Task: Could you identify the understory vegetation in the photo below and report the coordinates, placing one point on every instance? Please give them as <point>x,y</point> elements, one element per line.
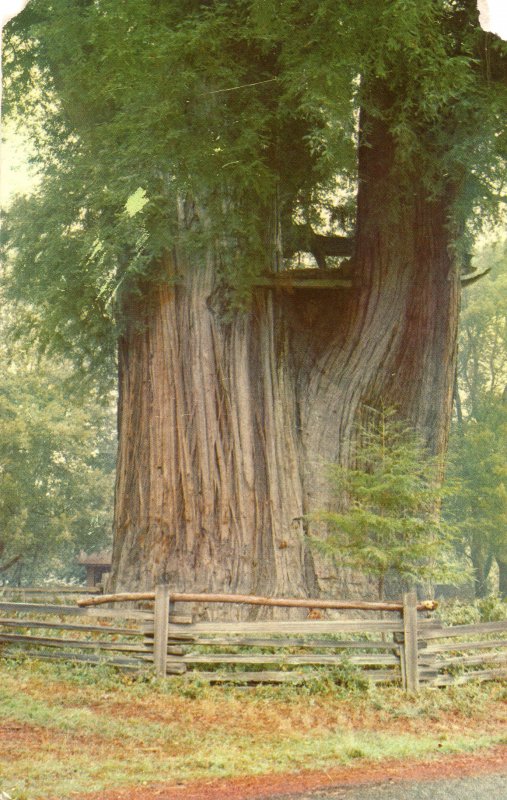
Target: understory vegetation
<point>70,729</point>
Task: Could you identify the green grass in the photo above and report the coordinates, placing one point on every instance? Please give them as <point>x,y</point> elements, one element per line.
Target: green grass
<point>78,729</point>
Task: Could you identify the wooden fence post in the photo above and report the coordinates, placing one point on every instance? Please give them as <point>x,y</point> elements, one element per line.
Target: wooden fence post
<point>161,628</point>
<point>409,661</point>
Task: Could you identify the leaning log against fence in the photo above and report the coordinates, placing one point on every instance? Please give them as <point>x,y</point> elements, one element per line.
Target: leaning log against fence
<point>254,600</point>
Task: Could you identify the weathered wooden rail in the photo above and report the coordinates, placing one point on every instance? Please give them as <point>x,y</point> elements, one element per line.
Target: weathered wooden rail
<point>383,660</point>
<point>52,632</point>
<point>462,653</point>
<point>37,591</point>
<point>406,648</point>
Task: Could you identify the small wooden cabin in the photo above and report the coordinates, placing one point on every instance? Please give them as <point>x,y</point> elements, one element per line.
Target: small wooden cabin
<point>97,566</point>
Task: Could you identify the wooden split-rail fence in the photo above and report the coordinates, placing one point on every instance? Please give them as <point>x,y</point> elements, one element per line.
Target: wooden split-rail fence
<point>402,644</point>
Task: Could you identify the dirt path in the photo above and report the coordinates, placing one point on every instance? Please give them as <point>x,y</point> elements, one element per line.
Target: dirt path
<point>482,787</point>
<point>343,782</point>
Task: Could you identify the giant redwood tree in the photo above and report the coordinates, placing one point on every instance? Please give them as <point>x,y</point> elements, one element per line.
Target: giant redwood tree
<point>190,153</point>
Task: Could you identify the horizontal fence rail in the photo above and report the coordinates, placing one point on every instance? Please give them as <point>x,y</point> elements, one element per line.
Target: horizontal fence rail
<point>48,632</point>
<point>407,647</point>
<point>7,591</point>
<point>247,651</point>
<point>462,653</point>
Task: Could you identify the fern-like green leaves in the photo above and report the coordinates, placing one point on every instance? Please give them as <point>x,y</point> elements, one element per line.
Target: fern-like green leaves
<point>385,521</point>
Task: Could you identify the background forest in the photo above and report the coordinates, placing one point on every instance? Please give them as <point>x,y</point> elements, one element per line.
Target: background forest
<point>57,454</point>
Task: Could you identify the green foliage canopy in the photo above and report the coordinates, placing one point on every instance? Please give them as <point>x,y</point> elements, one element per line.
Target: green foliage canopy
<point>56,469</point>
<point>235,105</point>
<point>482,350</point>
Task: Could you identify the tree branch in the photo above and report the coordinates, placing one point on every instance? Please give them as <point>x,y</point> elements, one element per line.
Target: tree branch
<point>467,280</point>
<point>303,238</point>
<point>8,564</point>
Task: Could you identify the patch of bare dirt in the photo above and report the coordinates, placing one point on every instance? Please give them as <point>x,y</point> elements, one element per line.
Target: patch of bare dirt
<point>16,736</point>
<point>19,740</point>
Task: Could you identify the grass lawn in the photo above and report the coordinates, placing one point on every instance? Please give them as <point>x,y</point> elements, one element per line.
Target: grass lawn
<point>66,730</point>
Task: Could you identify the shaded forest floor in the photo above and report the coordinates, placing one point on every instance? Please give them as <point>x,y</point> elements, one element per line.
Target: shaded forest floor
<point>75,732</point>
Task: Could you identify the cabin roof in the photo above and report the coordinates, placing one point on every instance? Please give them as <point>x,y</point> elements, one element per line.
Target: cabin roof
<point>101,558</point>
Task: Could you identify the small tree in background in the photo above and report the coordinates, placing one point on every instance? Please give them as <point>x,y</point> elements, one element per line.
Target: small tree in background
<point>478,449</point>
<point>390,523</point>
<point>479,434</point>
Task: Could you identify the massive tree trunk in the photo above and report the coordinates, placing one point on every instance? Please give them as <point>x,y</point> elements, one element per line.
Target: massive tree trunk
<point>392,340</point>
<point>209,492</point>
<point>225,426</point>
